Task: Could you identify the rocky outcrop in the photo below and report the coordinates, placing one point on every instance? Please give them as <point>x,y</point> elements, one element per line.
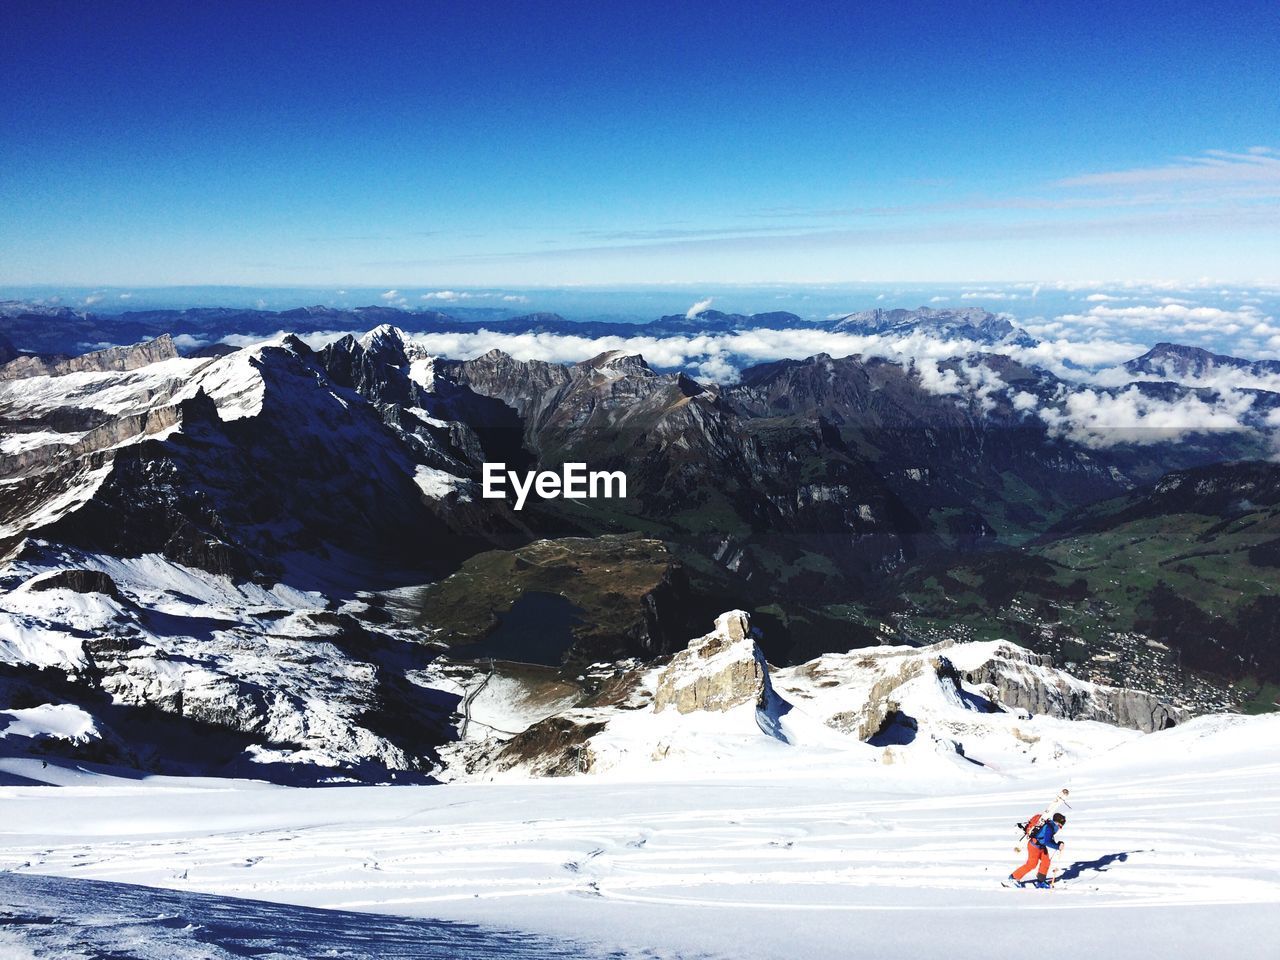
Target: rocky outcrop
<point>1022,680</point>
<point>106,436</point>
<point>558,746</point>
<point>864,692</point>
<point>80,581</point>
<point>271,461</point>
<point>719,671</point>
<point>525,386</point>
<point>116,359</point>
<point>879,704</point>
<point>715,673</point>
<point>450,427</point>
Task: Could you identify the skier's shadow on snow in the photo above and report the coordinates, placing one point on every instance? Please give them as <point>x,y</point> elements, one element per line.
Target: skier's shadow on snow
<point>1101,865</point>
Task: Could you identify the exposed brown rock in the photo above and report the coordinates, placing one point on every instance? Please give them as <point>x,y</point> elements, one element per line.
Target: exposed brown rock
<point>716,672</point>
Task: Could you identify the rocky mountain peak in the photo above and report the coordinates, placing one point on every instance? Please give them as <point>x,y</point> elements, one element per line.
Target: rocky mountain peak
<point>295,345</point>
<point>384,337</point>
<point>1177,360</point>
<point>616,363</point>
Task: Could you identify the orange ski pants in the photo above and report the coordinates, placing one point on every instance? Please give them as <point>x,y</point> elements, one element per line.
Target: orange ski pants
<point>1037,857</point>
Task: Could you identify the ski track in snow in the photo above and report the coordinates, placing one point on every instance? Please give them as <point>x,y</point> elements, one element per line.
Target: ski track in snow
<point>1170,850</point>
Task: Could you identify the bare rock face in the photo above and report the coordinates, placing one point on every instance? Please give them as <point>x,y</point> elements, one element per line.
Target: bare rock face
<point>879,703</point>
<point>558,746</point>
<point>869,692</point>
<point>81,581</point>
<point>112,359</point>
<point>1026,681</point>
<point>717,672</point>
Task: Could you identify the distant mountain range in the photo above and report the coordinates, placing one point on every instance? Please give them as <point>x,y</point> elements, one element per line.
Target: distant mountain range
<point>61,331</point>
<point>283,550</point>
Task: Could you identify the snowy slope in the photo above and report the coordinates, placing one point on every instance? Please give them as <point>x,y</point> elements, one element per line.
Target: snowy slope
<point>1169,852</point>
<point>291,674</point>
<point>717,707</point>
<point>212,500</point>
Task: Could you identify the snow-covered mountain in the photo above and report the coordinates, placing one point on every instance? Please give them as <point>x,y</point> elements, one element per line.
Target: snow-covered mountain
<point>965,323</point>
<point>185,540</point>
<point>256,464</point>
<point>718,705</point>
<point>272,564</point>
<point>148,663</point>
<point>223,547</point>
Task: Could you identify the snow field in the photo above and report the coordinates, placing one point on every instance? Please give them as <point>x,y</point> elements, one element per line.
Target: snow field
<point>1170,847</point>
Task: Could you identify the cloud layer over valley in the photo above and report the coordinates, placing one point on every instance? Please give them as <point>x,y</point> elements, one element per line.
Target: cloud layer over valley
<point>1087,394</point>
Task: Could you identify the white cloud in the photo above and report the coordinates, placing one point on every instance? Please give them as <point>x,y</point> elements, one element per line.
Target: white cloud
<point>389,295</point>
<point>315,341</point>
<point>717,369</point>
<point>93,298</point>
<point>1102,419</point>
<point>1259,165</point>
<point>936,380</point>
<point>698,307</point>
<point>723,351</point>
<point>126,296</point>
<point>452,296</point>
<point>1170,318</point>
<point>1096,405</point>
<point>1074,359</point>
<point>1024,401</point>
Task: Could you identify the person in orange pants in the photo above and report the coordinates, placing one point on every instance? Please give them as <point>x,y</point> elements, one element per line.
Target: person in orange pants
<point>1042,841</point>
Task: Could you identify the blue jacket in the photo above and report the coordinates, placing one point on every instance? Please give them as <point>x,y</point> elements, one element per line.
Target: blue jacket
<point>1046,836</point>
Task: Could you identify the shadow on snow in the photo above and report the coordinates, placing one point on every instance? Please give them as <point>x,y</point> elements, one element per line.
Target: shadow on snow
<point>1101,865</point>
<point>118,920</point>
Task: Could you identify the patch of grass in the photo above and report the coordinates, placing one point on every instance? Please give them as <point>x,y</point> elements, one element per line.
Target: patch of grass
<point>606,577</point>
<point>1260,697</point>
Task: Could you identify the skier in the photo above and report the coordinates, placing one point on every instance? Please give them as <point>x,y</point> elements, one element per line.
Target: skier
<point>1044,839</point>
<point>1033,823</point>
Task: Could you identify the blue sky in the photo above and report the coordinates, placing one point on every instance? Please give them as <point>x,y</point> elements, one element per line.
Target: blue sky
<point>586,143</point>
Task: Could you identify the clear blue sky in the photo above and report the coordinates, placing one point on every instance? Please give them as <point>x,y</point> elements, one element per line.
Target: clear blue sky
<point>526,143</point>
